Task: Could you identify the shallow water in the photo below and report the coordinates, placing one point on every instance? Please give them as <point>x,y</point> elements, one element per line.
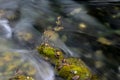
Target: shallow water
<point>25,61</point>
<point>91,32</point>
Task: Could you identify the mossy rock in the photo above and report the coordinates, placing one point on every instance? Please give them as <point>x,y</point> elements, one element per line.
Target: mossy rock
<point>50,53</point>
<point>67,68</point>
<point>65,71</point>
<point>70,70</point>
<point>75,61</point>
<point>21,77</point>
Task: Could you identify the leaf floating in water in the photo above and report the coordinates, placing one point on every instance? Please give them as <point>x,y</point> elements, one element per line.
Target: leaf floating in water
<point>59,24</point>
<point>105,41</point>
<point>58,28</point>
<point>82,26</point>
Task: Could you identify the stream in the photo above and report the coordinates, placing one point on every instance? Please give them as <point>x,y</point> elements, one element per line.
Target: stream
<point>89,34</point>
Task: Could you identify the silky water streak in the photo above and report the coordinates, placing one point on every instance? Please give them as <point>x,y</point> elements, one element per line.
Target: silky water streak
<point>5,29</point>
<point>27,62</point>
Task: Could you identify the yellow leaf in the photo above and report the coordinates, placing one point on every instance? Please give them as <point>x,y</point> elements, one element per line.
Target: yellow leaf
<point>105,41</point>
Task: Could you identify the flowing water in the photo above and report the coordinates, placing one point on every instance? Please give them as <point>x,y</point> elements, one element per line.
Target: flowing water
<point>5,29</point>
<point>14,57</point>
<point>91,32</point>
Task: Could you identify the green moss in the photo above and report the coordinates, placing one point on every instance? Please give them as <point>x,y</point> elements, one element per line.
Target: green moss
<point>65,71</point>
<point>51,53</point>
<point>83,72</point>
<point>68,68</point>
<point>21,77</point>
<point>69,71</point>
<point>75,61</point>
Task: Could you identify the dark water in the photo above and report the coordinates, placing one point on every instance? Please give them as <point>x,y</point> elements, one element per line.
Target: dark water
<point>91,32</point>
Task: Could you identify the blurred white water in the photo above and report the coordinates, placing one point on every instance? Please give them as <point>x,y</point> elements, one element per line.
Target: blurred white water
<point>5,29</point>
<point>27,62</point>
<point>43,69</point>
<point>13,57</point>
